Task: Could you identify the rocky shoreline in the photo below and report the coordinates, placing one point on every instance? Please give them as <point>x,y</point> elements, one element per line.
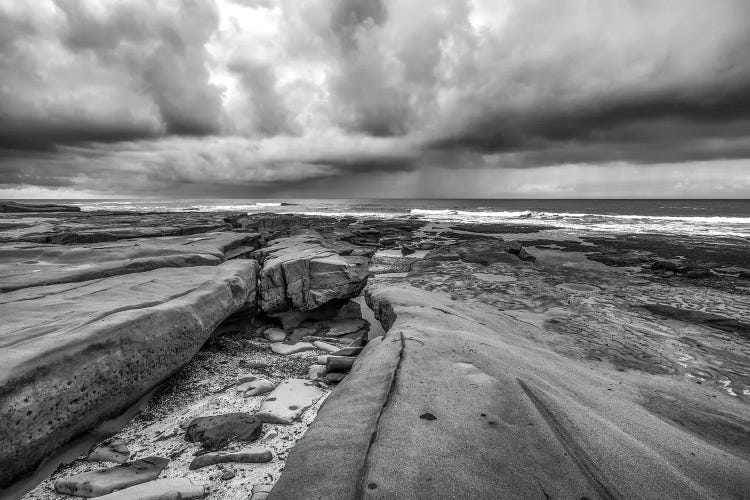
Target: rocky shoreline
<point>661,323</point>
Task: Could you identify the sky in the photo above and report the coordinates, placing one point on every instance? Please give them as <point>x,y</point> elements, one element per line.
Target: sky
<point>375,98</point>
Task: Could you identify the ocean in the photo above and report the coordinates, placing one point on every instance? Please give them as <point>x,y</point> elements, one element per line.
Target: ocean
<point>705,217</point>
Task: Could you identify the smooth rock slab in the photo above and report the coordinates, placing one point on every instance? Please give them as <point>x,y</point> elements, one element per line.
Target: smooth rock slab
<point>345,327</point>
<point>115,451</point>
<point>288,401</point>
<point>325,346</point>
<point>215,430</point>
<point>103,481</point>
<point>173,488</point>
<point>254,455</point>
<point>281,348</point>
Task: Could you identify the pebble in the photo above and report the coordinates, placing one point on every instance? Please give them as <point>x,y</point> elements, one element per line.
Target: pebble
<point>255,387</point>
<point>335,377</point>
<point>339,363</point>
<point>348,351</point>
<point>321,360</point>
<point>281,348</point>
<point>275,335</point>
<point>228,475</point>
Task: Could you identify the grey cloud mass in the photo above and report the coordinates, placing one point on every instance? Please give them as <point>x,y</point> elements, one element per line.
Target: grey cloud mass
<point>321,98</point>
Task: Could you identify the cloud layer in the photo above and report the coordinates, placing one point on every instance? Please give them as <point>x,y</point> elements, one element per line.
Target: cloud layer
<point>250,97</point>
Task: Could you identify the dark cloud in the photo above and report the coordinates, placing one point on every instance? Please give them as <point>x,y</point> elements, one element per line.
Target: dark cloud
<point>297,95</point>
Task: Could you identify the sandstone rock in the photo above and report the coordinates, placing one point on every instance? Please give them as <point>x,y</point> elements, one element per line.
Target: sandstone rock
<point>25,265</point>
<point>229,474</point>
<point>256,454</point>
<point>261,491</point>
<point>321,360</point>
<point>103,481</point>
<point>317,372</point>
<point>339,363</point>
<point>114,451</point>
<point>275,335</point>
<point>325,346</point>
<point>74,354</point>
<point>345,327</point>
<point>255,387</point>
<point>216,430</point>
<point>300,273</point>
<point>281,348</point>
<point>178,488</point>
<point>288,401</point>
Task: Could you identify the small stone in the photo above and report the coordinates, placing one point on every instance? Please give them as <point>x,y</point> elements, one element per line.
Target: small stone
<point>113,451</point>
<point>261,491</point>
<point>253,455</point>
<point>428,416</point>
<point>281,348</point>
<point>288,401</point>
<point>100,482</point>
<point>255,387</point>
<point>161,489</point>
<point>524,255</point>
<point>228,475</point>
<point>317,372</point>
<point>325,346</point>
<point>407,250</point>
<point>321,360</point>
<point>275,335</point>
<point>214,431</point>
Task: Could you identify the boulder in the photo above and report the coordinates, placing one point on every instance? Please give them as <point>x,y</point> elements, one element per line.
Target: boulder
<point>288,401</point>
<point>252,455</point>
<point>100,482</point>
<point>301,273</point>
<point>173,488</point>
<point>216,430</point>
<point>72,355</point>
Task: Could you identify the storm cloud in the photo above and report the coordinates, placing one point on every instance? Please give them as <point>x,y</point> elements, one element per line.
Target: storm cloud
<point>315,98</point>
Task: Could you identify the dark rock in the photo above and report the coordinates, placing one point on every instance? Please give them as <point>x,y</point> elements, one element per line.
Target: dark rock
<point>428,416</point>
<point>215,431</point>
<point>12,206</point>
<point>665,265</point>
<point>407,250</point>
<point>228,475</point>
<point>526,256</point>
<point>337,364</point>
<point>713,320</point>
<point>335,378</point>
<point>113,451</point>
<point>103,481</point>
<point>697,272</point>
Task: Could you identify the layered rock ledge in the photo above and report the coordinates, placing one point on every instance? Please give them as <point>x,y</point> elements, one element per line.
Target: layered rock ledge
<point>75,353</point>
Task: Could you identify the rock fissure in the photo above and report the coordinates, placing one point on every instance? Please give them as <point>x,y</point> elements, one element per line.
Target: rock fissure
<point>374,437</point>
